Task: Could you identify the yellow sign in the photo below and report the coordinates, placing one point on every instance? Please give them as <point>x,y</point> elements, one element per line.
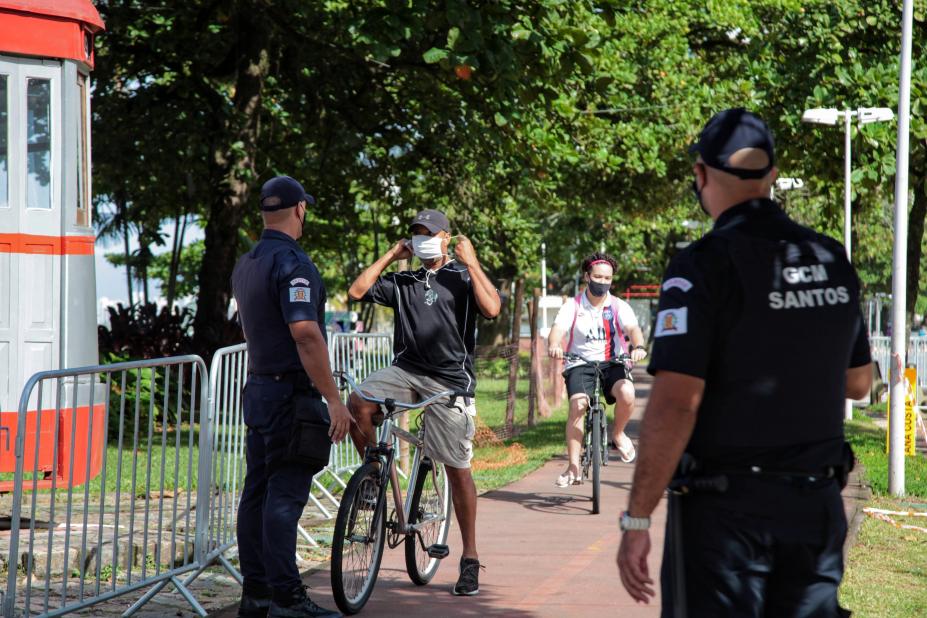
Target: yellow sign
<point>910,401</point>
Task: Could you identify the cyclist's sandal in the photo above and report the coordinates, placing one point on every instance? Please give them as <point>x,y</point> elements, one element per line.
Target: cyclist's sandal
<point>627,453</point>
<point>565,480</point>
<point>468,584</point>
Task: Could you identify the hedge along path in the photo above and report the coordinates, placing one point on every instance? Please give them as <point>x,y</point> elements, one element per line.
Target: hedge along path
<point>501,456</point>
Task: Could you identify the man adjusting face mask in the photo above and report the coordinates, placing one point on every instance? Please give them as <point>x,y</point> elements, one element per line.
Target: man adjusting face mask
<point>427,247</point>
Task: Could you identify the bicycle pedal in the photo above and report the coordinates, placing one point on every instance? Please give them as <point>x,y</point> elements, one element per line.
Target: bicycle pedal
<point>438,551</point>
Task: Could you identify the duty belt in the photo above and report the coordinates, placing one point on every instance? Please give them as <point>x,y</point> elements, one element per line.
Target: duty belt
<point>298,379</point>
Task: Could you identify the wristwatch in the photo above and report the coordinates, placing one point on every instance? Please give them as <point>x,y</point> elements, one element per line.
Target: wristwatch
<point>638,347</point>
<point>626,522</point>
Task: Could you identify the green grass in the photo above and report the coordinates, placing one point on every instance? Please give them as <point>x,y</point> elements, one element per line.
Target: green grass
<point>541,443</point>
<point>868,442</point>
<point>887,567</point>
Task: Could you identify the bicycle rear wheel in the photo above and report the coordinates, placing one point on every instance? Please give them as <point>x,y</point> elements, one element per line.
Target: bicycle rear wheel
<point>596,447</point>
<point>430,512</point>
<point>357,543</point>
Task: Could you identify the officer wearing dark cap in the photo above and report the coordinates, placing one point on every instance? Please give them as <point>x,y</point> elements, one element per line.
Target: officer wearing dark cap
<point>281,305</point>
<point>758,341</point>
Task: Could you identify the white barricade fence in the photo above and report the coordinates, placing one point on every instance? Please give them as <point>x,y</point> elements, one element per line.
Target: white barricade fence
<point>361,354</point>
<point>107,485</point>
<point>917,357</point>
<point>881,348</point>
<point>224,452</point>
<point>129,476</point>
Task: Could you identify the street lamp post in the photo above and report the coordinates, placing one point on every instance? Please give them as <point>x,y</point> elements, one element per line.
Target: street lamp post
<point>830,116</point>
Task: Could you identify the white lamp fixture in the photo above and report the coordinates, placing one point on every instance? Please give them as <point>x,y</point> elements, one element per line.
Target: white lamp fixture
<point>864,115</point>
<point>787,184</point>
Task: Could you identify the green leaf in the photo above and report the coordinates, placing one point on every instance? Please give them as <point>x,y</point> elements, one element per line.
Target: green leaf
<point>434,55</point>
<point>500,120</point>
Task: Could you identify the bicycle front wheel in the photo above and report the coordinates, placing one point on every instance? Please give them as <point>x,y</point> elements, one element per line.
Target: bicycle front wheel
<point>596,459</point>
<point>430,515</point>
<point>357,544</point>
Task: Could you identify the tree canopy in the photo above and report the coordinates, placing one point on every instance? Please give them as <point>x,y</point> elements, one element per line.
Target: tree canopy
<point>551,121</point>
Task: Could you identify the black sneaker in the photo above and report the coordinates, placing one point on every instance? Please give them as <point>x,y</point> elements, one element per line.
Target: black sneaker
<point>468,584</point>
<point>253,607</point>
<point>304,607</point>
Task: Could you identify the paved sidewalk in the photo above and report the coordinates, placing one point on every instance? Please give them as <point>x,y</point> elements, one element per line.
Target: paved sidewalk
<point>545,553</point>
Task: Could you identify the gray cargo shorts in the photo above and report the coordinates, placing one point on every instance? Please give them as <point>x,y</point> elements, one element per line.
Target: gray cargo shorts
<point>448,429</point>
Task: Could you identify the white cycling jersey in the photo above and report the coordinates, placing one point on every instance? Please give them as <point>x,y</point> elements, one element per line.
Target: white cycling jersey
<point>595,334</point>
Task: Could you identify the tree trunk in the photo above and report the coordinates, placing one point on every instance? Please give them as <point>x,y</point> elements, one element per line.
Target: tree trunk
<point>172,270</point>
<point>513,362</point>
<point>234,174</point>
<point>916,239</point>
<point>534,382</point>
<point>121,205</point>
<point>496,332</point>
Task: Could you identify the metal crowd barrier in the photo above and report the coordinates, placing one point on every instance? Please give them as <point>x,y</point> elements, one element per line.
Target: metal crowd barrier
<point>153,498</point>
<point>361,354</point>
<point>225,458</point>
<point>917,356</point>
<point>119,513</point>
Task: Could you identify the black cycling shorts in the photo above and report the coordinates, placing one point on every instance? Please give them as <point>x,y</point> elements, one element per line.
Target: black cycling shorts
<point>581,379</point>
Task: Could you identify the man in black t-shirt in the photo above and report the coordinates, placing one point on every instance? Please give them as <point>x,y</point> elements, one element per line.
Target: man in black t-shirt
<point>435,309</point>
<point>758,340</point>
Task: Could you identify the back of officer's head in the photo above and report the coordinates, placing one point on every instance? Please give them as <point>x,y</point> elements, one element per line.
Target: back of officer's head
<point>280,200</point>
<point>736,159</point>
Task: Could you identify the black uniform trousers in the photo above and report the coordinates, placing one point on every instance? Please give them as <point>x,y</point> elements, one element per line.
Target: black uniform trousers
<point>782,559</point>
<point>275,491</point>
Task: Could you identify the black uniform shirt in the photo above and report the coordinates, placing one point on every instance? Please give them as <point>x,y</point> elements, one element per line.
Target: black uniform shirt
<point>775,375</point>
<point>434,322</point>
<point>276,284</point>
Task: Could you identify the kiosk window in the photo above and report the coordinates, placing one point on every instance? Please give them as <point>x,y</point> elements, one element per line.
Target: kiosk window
<point>4,143</point>
<point>38,143</point>
<point>83,147</point>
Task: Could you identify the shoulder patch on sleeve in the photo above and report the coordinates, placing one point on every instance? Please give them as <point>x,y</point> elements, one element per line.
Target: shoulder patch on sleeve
<point>299,280</point>
<point>677,282</point>
<point>300,295</point>
<point>672,322</point>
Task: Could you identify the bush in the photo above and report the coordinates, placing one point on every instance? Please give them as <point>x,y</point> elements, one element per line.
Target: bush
<point>498,368</point>
<point>144,332</point>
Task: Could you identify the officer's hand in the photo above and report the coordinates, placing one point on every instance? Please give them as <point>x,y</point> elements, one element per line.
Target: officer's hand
<point>464,252</point>
<point>632,565</point>
<point>341,421</point>
<point>638,355</point>
<point>555,351</point>
<point>402,250</point>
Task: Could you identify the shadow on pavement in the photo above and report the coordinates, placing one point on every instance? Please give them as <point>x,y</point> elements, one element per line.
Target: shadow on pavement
<point>395,595</point>
<point>554,503</point>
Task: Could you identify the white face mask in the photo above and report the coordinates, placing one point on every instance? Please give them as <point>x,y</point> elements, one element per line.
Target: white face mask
<point>427,247</point>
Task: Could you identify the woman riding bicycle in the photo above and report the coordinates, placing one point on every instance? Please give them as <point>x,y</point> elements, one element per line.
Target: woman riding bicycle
<point>600,327</point>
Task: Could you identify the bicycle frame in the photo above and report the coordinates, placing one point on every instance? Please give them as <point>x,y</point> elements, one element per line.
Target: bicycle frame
<point>389,473</point>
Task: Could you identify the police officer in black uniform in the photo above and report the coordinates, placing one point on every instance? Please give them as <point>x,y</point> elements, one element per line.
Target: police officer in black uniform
<point>281,304</point>
<point>758,341</point>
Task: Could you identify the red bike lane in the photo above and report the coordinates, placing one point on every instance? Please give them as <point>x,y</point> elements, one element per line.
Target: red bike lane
<point>545,553</point>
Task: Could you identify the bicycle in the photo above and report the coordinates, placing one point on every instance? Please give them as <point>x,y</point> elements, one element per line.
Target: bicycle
<point>362,525</point>
<point>595,434</point>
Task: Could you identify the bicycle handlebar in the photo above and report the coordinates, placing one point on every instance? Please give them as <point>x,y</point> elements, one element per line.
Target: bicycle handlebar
<point>621,358</point>
<point>346,377</point>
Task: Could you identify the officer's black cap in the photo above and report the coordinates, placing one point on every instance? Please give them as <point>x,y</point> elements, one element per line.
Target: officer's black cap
<point>283,192</point>
<point>434,220</point>
<point>729,132</point>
